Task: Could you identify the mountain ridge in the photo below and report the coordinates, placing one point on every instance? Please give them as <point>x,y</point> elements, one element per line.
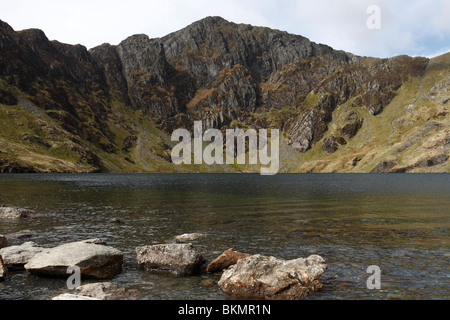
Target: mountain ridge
<point>112,108</point>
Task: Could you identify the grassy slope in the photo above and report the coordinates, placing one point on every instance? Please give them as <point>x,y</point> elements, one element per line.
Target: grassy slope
<point>408,124</point>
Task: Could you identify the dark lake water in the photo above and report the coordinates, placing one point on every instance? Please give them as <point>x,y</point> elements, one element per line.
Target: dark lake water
<point>400,223</point>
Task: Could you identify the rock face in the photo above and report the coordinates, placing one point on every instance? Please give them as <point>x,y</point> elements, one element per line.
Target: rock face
<point>15,257</point>
<point>177,259</point>
<point>260,277</point>
<point>16,213</point>
<point>3,270</point>
<point>95,261</point>
<point>224,74</point>
<point>225,260</point>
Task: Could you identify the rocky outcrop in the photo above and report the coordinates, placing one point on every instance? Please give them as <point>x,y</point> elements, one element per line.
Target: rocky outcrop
<point>177,259</point>
<point>432,161</point>
<point>225,260</point>
<point>351,129</point>
<point>16,213</point>
<point>94,259</point>
<point>260,277</point>
<point>330,145</point>
<point>384,166</point>
<point>16,257</point>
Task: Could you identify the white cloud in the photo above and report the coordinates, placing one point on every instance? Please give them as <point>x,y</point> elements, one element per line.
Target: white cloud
<point>412,27</point>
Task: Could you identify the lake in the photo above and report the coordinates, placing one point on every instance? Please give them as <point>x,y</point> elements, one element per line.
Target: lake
<point>400,223</point>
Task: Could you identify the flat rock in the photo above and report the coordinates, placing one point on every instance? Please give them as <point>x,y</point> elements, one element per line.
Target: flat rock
<point>225,260</point>
<point>267,278</point>
<point>94,260</point>
<point>177,259</point>
<point>16,213</point>
<point>15,257</point>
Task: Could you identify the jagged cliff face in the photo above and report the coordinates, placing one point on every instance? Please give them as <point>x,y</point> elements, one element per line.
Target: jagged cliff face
<point>112,108</point>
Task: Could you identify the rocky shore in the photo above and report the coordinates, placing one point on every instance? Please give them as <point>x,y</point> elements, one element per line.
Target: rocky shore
<point>243,276</point>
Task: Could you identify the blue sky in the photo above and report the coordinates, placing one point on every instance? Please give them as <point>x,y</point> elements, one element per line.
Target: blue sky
<point>413,27</point>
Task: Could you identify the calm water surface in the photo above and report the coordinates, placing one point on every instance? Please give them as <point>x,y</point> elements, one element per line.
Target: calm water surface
<point>400,223</point>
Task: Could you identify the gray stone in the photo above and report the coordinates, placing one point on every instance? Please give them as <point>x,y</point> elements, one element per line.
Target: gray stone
<point>95,261</point>
<point>107,291</point>
<point>16,213</point>
<point>177,259</point>
<point>260,277</point>
<point>189,237</point>
<point>15,257</point>
<point>21,235</point>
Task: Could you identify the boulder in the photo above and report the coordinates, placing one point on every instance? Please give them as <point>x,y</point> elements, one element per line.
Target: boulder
<point>107,291</point>
<point>15,257</point>
<point>267,278</point>
<point>189,237</point>
<point>3,241</point>
<point>16,213</point>
<point>225,260</point>
<point>95,261</point>
<point>3,270</point>
<point>177,259</point>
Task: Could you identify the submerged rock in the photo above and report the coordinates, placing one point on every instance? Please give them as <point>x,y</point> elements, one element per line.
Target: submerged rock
<point>225,260</point>
<point>95,260</point>
<point>20,235</point>
<point>16,213</point>
<point>177,259</point>
<point>260,277</point>
<point>189,237</point>
<point>15,257</point>
<point>115,221</point>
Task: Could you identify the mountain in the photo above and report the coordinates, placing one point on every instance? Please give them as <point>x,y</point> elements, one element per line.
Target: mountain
<point>64,108</point>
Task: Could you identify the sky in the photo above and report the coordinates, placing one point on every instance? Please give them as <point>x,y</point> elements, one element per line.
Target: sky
<point>394,27</point>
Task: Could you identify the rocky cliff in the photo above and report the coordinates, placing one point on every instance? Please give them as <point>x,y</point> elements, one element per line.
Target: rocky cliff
<point>64,108</point>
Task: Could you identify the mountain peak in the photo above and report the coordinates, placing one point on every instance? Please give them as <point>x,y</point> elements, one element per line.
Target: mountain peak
<point>211,21</point>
